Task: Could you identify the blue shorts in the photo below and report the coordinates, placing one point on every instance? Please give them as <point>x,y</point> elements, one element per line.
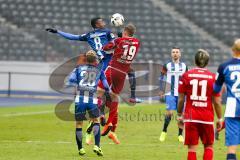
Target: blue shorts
<point>232,131</point>
<point>171,102</point>
<point>81,108</point>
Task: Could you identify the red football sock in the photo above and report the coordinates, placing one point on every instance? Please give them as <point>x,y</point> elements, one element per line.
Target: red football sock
<point>113,107</point>
<point>208,154</point>
<point>192,155</point>
<point>115,122</point>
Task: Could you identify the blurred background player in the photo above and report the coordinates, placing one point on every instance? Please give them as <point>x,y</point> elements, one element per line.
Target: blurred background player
<point>132,82</point>
<point>198,115</point>
<point>85,78</point>
<point>170,74</point>
<point>229,73</point>
<point>125,50</point>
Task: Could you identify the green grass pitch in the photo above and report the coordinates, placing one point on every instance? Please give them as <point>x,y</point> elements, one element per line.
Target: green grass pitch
<point>35,133</point>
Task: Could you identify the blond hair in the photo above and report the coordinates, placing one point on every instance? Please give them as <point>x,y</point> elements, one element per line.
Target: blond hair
<point>236,45</point>
<point>91,56</point>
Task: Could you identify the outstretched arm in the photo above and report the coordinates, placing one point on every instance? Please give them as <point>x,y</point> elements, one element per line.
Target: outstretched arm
<point>67,35</point>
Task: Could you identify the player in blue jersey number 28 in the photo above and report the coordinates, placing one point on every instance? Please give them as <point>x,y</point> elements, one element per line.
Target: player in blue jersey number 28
<point>85,78</point>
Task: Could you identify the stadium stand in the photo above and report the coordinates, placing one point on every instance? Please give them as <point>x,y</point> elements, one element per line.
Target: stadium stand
<point>218,17</point>
<point>157,30</point>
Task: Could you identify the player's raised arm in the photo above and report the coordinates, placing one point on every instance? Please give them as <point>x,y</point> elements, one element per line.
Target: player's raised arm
<point>67,35</point>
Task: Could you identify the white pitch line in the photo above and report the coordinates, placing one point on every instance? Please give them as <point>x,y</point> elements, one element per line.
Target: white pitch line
<point>68,142</point>
<point>26,113</point>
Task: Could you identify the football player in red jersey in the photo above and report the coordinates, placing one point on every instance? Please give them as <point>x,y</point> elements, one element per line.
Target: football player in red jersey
<point>198,115</point>
<point>125,50</point>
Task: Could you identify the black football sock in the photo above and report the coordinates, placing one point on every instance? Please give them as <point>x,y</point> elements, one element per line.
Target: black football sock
<point>166,123</point>
<point>132,82</point>
<point>79,138</point>
<point>180,131</point>
<point>96,132</point>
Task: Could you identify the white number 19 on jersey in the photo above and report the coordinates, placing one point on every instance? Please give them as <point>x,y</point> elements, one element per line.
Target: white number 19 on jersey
<point>129,52</point>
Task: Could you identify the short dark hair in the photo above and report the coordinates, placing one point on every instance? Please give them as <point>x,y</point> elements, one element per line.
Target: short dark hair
<point>201,58</point>
<point>130,29</point>
<point>174,47</point>
<point>94,21</point>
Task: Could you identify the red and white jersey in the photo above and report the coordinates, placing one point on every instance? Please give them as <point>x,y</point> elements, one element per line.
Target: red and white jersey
<point>125,50</point>
<point>197,85</point>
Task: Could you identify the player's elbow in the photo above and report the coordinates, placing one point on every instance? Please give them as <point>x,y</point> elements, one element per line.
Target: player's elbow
<point>108,47</point>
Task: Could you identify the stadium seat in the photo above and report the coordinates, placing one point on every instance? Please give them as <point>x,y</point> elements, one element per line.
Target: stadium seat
<point>157,30</point>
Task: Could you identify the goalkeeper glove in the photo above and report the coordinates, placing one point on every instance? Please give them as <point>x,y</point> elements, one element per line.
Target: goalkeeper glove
<point>51,30</point>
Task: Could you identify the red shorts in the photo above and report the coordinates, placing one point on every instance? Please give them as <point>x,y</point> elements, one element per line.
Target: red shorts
<point>195,130</point>
<point>115,80</point>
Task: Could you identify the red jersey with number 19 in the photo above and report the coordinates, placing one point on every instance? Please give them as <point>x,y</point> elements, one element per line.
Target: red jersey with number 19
<point>197,85</point>
<point>125,49</point>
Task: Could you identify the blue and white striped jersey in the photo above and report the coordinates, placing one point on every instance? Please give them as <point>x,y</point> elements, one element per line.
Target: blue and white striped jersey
<point>172,73</point>
<point>229,73</point>
<point>86,78</point>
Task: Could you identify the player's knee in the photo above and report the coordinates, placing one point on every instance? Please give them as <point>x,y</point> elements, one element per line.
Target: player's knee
<point>232,149</point>
<point>169,113</point>
<point>79,124</point>
<point>95,120</point>
<point>114,97</point>
<point>100,92</point>
<point>192,148</point>
<point>209,146</point>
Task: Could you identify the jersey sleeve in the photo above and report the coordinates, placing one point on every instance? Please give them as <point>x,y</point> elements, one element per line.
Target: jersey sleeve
<point>83,37</point>
<point>182,88</point>
<point>69,35</point>
<point>219,79</point>
<point>72,78</point>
